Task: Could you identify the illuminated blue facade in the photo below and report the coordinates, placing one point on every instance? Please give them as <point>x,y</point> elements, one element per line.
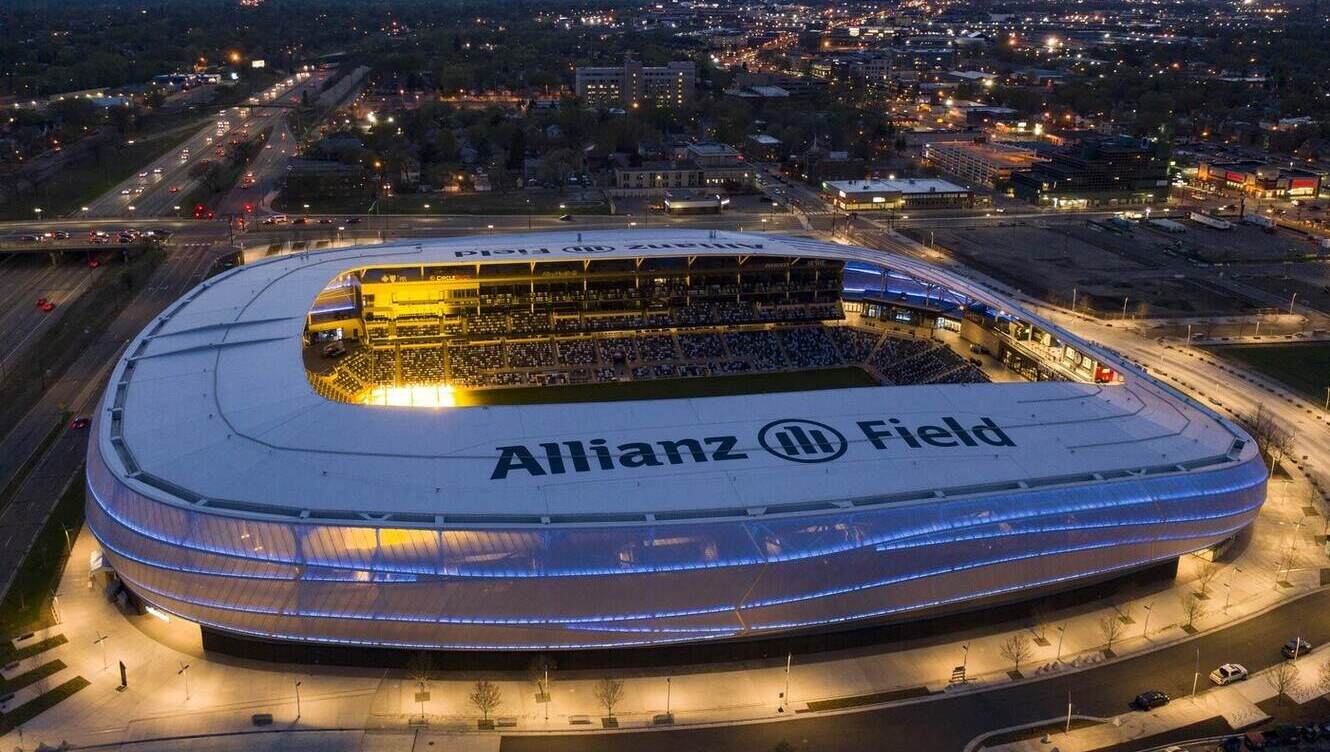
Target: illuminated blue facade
<point>513,583</point>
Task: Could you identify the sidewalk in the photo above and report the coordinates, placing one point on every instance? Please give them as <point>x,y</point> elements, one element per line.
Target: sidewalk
<point>1236,704</point>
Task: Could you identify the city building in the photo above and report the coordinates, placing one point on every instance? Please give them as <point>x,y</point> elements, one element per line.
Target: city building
<point>706,164</point>
<point>989,164</point>
<point>905,193</point>
<point>242,478</point>
<point>694,202</point>
<point>632,84</point>
<point>658,176</point>
<point>1097,171</point>
<point>1258,179</point>
<point>764,147</point>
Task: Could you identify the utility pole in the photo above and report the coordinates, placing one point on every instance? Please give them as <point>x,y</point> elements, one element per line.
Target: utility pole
<point>1062,632</point>
<point>1145,629</point>
<point>297,701</point>
<point>1067,729</point>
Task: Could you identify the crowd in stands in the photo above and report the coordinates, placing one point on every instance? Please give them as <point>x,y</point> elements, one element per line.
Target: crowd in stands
<point>534,351</point>
<point>655,355</point>
<point>525,324</point>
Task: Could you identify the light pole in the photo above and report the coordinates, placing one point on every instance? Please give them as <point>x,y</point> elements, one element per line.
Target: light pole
<point>1145,629</point>
<point>101,640</point>
<point>297,700</point>
<point>785,696</point>
<point>38,212</point>
<point>1062,632</point>
<point>1228,592</point>
<point>667,695</point>
<point>184,674</point>
<point>1124,309</point>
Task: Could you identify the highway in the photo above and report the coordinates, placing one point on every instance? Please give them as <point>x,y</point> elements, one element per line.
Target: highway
<point>158,187</point>
<point>79,388</point>
<point>23,281</point>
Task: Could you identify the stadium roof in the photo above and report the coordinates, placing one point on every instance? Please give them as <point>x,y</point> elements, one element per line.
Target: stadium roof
<point>211,405</point>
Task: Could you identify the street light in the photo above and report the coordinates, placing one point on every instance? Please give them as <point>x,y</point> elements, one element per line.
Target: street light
<point>101,640</point>
<point>183,673</point>
<point>297,701</point>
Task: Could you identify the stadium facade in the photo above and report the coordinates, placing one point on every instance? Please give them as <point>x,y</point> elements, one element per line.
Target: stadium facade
<point>226,489</point>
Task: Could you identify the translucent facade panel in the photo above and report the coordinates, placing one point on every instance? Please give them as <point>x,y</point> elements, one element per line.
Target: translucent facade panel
<point>542,587</point>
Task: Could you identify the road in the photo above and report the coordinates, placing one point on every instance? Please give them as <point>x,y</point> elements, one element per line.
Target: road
<point>24,280</point>
<point>158,186</point>
<point>79,388</point>
<point>946,723</point>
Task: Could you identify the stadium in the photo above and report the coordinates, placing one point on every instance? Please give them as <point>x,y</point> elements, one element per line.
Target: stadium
<point>618,439</point>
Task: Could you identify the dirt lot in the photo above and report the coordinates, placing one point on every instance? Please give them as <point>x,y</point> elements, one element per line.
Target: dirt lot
<point>1101,267</point>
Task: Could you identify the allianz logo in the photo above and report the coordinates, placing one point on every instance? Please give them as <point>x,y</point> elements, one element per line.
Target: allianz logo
<point>791,439</point>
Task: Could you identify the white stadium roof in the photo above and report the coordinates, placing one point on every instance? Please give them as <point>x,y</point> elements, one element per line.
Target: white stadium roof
<point>217,406</point>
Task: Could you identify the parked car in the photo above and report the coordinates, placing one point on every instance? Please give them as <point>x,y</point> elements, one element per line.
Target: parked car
<point>1228,673</point>
<point>1150,700</point>
<point>1295,647</point>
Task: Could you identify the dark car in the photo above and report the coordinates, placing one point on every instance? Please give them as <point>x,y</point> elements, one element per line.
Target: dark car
<point>1295,647</point>
<point>353,220</point>
<point>80,423</point>
<point>1150,700</point>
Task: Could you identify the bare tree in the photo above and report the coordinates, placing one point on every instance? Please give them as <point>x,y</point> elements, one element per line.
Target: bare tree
<point>1017,649</point>
<point>1288,559</point>
<point>421,668</point>
<point>609,692</point>
<point>486,696</point>
<point>1040,619</point>
<point>1206,571</point>
<point>539,672</point>
<point>1284,680</point>
<point>1193,608</point>
<point>1110,627</point>
<point>1273,440</point>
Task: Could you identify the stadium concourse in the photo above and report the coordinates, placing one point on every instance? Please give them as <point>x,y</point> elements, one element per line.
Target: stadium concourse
<point>286,456</point>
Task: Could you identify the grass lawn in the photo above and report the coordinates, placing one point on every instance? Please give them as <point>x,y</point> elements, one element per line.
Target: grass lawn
<point>33,708</point>
<point>27,605</point>
<point>1305,368</point>
<point>713,386</point>
<point>76,184</point>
